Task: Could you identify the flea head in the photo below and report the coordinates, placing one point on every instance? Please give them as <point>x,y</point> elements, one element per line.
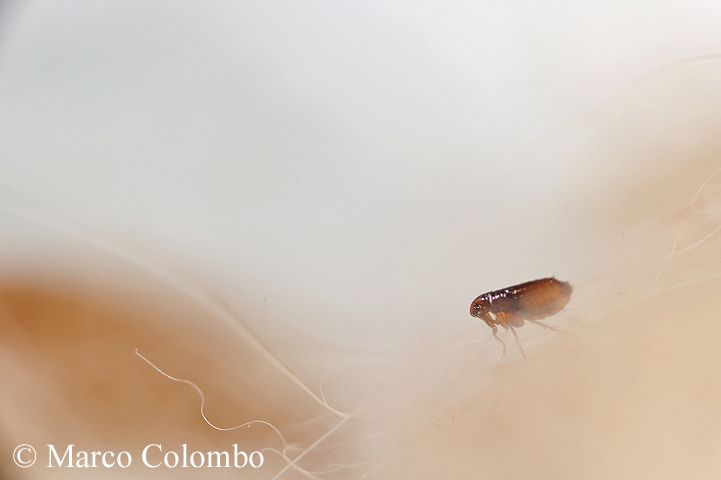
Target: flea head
<point>479,305</point>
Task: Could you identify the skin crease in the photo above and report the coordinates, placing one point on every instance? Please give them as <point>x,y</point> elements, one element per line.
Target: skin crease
<point>344,184</point>
<point>68,347</point>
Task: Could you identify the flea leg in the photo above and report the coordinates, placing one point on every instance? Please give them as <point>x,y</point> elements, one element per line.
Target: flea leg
<point>510,320</point>
<point>513,330</point>
<point>547,327</point>
<point>495,334</point>
<point>489,321</point>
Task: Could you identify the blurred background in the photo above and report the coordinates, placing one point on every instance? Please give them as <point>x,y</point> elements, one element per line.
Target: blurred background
<point>292,206</point>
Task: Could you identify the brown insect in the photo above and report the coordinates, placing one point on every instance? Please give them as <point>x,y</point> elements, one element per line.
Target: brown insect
<point>530,301</point>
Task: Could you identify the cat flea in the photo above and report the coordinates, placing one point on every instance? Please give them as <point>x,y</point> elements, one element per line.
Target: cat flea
<point>530,301</point>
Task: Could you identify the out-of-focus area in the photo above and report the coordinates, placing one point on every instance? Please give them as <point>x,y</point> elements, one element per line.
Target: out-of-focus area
<point>278,213</point>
